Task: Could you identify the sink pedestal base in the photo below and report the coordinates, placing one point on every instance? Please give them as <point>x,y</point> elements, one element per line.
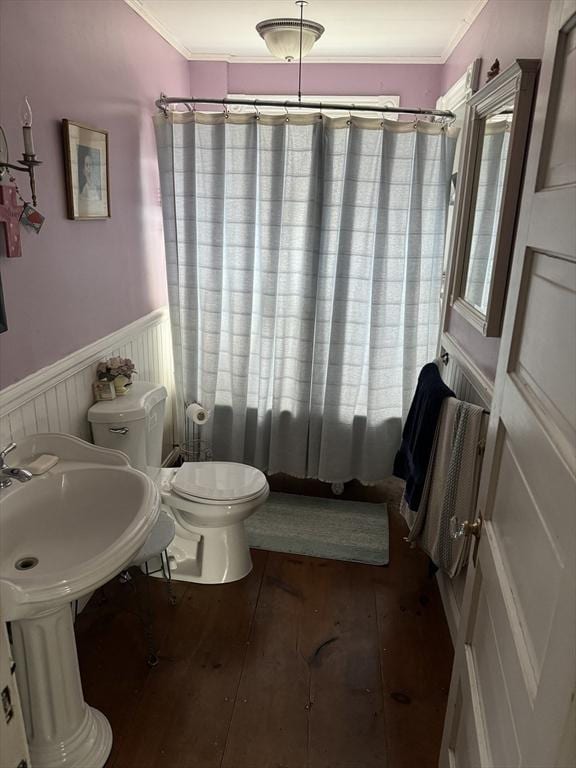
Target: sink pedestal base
<point>62,729</point>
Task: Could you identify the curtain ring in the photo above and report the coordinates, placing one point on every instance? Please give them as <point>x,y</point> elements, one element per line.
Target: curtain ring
<point>320,116</point>
<point>163,105</point>
<point>349,121</point>
<point>225,108</point>
<point>256,112</point>
<point>287,118</point>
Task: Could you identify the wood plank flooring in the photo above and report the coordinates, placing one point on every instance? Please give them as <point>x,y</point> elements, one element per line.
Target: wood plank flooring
<point>306,663</point>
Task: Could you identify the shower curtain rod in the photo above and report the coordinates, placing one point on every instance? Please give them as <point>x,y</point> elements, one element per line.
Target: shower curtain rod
<point>163,102</point>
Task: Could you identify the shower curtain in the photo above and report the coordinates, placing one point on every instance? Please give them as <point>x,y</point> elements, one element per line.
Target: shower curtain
<point>304,259</point>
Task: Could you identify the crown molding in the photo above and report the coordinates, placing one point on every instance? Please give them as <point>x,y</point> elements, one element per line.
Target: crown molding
<point>137,6</point>
<point>231,59</point>
<point>174,41</point>
<point>464,26</point>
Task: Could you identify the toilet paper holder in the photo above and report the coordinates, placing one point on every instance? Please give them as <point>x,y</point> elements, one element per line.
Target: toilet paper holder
<point>195,450</point>
<point>194,447</point>
<point>197,413</point>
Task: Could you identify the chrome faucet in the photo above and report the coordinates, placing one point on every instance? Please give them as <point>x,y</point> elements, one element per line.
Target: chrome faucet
<point>7,473</point>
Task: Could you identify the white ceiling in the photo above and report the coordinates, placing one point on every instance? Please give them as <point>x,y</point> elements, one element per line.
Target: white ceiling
<point>409,31</point>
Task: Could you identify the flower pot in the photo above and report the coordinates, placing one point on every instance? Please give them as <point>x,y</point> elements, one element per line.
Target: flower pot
<point>120,383</point>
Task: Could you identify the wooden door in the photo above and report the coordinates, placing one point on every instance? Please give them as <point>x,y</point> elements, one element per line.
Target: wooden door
<point>513,685</point>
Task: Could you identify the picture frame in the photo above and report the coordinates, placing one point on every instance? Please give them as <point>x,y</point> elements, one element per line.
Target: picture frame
<point>87,171</point>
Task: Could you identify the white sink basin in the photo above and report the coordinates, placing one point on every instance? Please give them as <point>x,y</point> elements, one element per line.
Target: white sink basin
<point>67,532</point>
<point>62,535</point>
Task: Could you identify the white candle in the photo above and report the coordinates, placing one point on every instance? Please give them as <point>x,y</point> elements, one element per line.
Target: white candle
<point>26,115</point>
<point>28,140</point>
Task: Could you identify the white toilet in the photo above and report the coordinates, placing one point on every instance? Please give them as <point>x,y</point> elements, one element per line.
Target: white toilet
<point>208,501</point>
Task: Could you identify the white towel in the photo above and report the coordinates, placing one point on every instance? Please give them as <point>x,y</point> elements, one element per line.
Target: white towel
<point>451,485</point>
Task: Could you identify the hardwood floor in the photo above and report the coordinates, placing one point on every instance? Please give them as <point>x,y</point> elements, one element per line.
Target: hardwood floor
<point>306,663</point>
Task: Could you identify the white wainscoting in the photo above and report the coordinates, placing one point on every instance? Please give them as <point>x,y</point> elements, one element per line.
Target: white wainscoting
<point>56,398</point>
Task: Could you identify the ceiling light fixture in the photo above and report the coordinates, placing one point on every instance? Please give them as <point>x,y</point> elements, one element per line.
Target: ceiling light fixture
<point>290,39</point>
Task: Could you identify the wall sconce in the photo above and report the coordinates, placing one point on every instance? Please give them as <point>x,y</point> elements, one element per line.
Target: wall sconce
<point>29,161</point>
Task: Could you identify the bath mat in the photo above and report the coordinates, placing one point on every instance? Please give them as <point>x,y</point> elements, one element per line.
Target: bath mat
<point>332,528</point>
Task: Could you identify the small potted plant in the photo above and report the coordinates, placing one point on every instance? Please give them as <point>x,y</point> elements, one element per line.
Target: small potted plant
<point>117,370</point>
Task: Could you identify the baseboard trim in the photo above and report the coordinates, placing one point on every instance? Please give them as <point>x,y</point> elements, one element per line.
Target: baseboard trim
<point>22,392</point>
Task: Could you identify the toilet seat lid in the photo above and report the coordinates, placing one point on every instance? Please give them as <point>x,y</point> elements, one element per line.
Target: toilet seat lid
<point>218,480</point>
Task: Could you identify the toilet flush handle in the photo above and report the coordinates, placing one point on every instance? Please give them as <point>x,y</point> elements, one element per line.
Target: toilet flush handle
<point>118,430</point>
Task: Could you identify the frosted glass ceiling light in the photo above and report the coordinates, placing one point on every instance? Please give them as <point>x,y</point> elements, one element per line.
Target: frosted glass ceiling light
<point>290,39</point>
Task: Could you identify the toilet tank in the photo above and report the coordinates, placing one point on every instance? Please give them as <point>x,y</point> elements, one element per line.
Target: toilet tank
<point>132,423</point>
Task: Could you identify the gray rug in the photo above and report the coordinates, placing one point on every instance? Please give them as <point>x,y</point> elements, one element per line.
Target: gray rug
<point>331,528</point>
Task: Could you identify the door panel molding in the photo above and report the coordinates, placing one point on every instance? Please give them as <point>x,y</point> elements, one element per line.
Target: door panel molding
<point>520,597</point>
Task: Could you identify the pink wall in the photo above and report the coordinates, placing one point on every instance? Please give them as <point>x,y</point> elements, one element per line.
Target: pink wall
<point>506,30</point>
<point>96,62</point>
<point>416,84</point>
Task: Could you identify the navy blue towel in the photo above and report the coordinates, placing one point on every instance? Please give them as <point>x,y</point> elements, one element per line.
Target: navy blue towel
<point>412,459</point>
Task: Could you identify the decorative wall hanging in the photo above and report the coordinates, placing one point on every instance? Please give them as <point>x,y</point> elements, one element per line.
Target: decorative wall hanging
<point>87,171</point>
<point>31,218</point>
<point>3,323</point>
<point>10,211</point>
<point>29,160</point>
<point>494,71</point>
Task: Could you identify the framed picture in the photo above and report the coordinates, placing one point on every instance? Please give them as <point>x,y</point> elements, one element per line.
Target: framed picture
<point>87,171</point>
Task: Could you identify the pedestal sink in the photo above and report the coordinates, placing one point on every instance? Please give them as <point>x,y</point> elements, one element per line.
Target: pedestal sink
<point>62,535</point>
